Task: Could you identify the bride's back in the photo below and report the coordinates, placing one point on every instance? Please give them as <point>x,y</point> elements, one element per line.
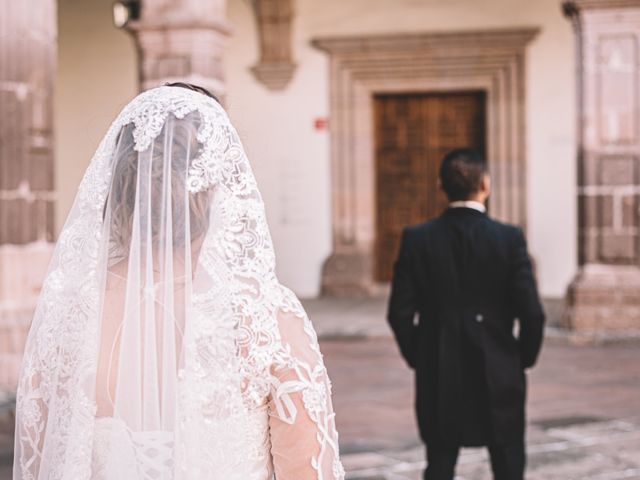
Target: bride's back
<point>163,346</point>
<point>153,231</point>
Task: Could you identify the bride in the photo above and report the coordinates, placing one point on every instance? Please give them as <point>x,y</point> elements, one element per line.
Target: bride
<point>163,346</point>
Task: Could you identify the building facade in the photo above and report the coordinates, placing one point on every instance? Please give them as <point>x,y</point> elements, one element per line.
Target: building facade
<point>345,108</point>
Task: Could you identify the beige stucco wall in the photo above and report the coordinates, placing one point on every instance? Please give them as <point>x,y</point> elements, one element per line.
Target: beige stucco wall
<point>96,77</point>
<point>291,159</point>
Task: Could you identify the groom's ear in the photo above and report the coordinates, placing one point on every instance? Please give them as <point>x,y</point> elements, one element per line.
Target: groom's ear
<point>486,183</point>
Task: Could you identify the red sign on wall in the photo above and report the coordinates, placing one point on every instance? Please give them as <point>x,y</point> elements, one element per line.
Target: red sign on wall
<point>321,123</point>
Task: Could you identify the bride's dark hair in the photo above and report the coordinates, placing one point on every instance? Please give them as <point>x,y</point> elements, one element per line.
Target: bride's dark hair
<point>123,199</point>
<point>195,88</point>
<point>122,196</point>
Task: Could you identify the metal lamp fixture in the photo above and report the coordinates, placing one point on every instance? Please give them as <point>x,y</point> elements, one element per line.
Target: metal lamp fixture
<point>124,11</point>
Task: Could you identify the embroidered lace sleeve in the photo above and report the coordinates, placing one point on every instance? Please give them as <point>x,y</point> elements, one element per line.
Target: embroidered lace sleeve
<point>32,415</point>
<point>304,440</point>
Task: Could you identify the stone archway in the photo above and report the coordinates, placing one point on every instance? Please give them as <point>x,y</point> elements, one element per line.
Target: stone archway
<point>492,61</point>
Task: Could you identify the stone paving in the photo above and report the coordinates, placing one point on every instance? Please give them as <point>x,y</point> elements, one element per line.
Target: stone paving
<point>584,413</point>
<point>584,404</point>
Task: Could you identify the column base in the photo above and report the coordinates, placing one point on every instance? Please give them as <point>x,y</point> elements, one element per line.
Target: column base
<point>604,299</point>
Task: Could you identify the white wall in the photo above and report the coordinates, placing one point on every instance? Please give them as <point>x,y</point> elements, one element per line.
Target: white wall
<point>291,160</point>
<point>96,77</point>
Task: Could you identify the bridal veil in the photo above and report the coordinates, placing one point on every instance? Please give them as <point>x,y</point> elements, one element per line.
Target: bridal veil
<point>163,345</point>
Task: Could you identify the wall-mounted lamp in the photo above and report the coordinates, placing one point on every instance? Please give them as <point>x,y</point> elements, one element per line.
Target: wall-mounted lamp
<point>124,11</point>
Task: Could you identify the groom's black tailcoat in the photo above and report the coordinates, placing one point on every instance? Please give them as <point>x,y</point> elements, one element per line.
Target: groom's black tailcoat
<point>467,278</point>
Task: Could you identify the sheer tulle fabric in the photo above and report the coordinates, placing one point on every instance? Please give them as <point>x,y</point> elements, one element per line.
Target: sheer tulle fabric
<point>163,346</point>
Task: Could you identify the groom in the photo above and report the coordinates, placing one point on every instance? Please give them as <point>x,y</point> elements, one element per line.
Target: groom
<point>459,284</point>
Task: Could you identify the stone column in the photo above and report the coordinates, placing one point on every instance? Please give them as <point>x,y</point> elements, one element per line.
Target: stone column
<point>181,40</point>
<point>605,295</point>
<point>27,62</point>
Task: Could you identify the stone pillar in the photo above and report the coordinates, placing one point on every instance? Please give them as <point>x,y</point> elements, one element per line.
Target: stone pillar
<point>27,62</point>
<point>181,40</point>
<point>605,295</point>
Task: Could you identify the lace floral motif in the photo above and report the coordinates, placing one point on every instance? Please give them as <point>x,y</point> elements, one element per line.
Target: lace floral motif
<point>220,156</point>
<point>250,348</point>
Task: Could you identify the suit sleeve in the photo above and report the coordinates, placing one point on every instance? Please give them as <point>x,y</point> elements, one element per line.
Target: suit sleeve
<point>526,303</point>
<point>403,304</point>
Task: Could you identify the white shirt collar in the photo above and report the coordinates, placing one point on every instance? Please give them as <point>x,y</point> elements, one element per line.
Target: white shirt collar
<point>469,204</point>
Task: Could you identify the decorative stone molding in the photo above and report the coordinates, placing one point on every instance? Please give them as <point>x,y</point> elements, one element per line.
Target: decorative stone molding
<point>276,67</point>
<point>488,60</point>
<point>27,194</point>
<point>604,295</point>
<point>181,41</point>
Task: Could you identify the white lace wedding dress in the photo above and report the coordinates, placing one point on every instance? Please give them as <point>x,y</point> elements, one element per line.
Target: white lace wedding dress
<point>163,345</point>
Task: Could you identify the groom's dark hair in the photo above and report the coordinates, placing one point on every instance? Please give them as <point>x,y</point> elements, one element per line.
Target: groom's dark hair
<point>461,173</point>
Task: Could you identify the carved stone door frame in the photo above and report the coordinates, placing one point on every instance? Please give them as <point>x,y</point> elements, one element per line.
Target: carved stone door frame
<point>488,60</point>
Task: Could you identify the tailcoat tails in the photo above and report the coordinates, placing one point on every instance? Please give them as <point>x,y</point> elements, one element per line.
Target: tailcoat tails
<point>461,282</point>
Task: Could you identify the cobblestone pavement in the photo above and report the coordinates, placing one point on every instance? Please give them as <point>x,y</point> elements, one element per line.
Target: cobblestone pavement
<point>584,405</point>
<point>584,412</point>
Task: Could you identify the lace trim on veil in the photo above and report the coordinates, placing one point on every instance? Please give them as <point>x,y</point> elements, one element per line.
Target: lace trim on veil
<point>55,393</point>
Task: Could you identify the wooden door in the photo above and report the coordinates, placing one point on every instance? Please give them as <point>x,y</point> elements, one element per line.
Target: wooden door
<point>412,134</point>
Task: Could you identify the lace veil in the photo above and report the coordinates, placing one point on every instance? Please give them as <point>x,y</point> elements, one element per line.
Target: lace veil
<point>162,312</point>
